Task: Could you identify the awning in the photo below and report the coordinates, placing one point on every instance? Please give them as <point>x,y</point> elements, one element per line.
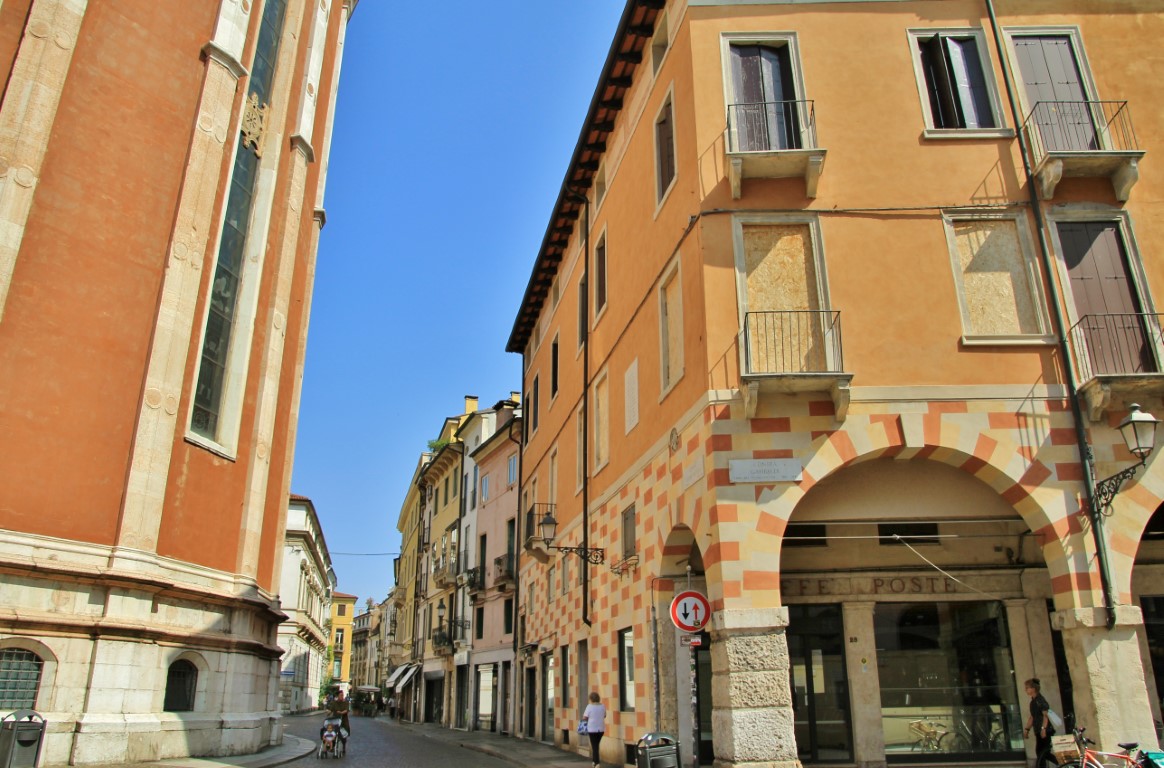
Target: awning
<point>368,688</point>
<point>407,677</point>
<point>396,675</point>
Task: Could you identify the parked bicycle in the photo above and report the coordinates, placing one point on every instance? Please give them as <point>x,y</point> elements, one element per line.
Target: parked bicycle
<point>929,735</point>
<point>1131,757</point>
<point>975,732</point>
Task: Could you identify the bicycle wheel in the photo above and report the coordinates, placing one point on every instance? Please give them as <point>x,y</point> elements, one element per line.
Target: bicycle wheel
<point>953,742</point>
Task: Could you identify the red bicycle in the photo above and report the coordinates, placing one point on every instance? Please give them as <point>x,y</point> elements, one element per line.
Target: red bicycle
<point>1131,757</point>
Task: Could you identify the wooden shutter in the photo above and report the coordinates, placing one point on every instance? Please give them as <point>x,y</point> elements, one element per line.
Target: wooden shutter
<point>1051,75</point>
<point>665,149</point>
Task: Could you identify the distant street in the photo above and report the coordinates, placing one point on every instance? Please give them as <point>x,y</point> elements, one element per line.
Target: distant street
<point>379,743</point>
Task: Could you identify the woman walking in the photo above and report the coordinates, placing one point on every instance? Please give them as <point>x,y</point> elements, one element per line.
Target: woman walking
<point>595,719</point>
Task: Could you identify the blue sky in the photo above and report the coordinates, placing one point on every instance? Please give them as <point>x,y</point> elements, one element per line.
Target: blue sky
<point>453,129</point>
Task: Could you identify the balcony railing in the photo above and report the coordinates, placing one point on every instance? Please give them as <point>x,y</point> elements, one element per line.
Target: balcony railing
<point>475,579</point>
<point>794,351</point>
<point>792,342</point>
<point>534,515</point>
<point>445,572</point>
<point>1083,138</point>
<point>773,139</point>
<point>503,568</point>
<point>442,643</point>
<point>1116,352</point>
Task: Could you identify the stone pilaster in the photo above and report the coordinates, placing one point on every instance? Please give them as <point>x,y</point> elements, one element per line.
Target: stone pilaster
<point>752,719</point>
<point>1107,673</point>
<point>864,685</point>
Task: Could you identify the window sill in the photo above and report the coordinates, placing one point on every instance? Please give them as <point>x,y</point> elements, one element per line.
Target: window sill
<point>668,388</point>
<point>216,448</point>
<point>1008,341</point>
<point>968,133</point>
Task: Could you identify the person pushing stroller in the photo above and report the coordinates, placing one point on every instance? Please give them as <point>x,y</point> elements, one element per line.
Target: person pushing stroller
<point>333,735</point>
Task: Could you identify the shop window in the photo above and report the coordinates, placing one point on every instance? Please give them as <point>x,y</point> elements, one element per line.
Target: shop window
<point>19,678</point>
<point>948,693</point>
<point>181,682</point>
<point>626,670</point>
<point>890,534</point>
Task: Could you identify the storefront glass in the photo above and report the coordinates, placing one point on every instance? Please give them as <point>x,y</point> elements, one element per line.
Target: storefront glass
<point>948,692</point>
<point>820,688</point>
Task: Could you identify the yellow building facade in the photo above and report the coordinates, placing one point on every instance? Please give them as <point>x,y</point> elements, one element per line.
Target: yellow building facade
<point>834,322</point>
<point>343,613</point>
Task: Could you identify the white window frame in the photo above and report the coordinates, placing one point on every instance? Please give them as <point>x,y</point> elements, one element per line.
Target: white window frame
<point>660,39</point>
<point>555,369</point>
<point>630,397</point>
<point>671,272</point>
<point>511,470</point>
<point>988,73</point>
<point>601,188</point>
<point>661,196</point>
<point>1071,32</point>
<point>1031,269</point>
<point>741,220</point>
<point>580,453</point>
<point>1135,260</point>
<point>774,39</point>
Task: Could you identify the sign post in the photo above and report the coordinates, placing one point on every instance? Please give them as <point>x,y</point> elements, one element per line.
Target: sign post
<point>690,612</point>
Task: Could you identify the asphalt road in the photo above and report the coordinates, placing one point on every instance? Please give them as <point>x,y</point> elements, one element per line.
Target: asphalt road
<point>377,743</point>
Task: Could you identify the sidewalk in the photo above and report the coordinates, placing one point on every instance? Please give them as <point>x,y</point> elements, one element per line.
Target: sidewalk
<point>292,748</point>
<point>520,752</point>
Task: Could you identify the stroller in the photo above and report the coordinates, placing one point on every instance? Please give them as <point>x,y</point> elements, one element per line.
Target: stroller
<point>333,739</point>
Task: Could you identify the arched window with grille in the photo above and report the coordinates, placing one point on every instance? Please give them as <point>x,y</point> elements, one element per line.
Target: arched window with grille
<point>181,683</point>
<point>19,678</point>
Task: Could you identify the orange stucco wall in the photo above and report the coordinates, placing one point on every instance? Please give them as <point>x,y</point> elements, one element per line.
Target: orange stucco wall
<point>76,330</point>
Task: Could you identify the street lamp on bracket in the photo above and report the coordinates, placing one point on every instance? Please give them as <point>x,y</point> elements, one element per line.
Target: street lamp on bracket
<point>548,527</point>
<point>1139,432</point>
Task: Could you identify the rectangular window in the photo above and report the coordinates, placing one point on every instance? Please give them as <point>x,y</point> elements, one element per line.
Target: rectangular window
<point>554,368</point>
<point>764,107</point>
<point>565,575</point>
<point>664,150</point>
<point>446,490</point>
<point>485,489</point>
<point>600,276</point>
<point>553,497</point>
<point>550,582</point>
<point>601,422</point>
<point>626,670</point>
<point>508,611</point>
<point>511,469</point>
<point>997,279</point>
<point>534,406</point>
<point>671,329</point>
<point>565,676</point>
<point>455,487</point>
<point>473,493</point>
<point>599,186</point>
<point>958,95</point>
<point>479,629</point>
<point>659,43</point>
<point>629,544</point>
<point>805,535</point>
<point>891,534</point>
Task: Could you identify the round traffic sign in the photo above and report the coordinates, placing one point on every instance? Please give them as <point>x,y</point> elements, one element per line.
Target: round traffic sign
<point>690,611</point>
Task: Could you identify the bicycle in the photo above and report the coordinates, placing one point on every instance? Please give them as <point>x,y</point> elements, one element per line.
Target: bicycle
<point>1131,757</point>
<point>929,735</point>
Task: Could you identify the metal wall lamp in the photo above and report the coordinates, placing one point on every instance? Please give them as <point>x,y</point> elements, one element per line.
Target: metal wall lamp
<point>1139,431</point>
<point>548,526</point>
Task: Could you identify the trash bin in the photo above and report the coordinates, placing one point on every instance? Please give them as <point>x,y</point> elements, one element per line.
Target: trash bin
<point>655,750</point>
<point>21,735</point>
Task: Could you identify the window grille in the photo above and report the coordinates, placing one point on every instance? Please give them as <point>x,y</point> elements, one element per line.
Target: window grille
<point>181,682</point>
<point>19,678</point>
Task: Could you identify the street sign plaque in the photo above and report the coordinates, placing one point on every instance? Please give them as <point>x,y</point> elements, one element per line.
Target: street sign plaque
<point>690,611</point>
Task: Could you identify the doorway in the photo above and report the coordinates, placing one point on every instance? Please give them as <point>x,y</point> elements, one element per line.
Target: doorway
<point>434,696</point>
<point>703,694</point>
<point>820,688</point>
<point>548,697</point>
<point>531,701</point>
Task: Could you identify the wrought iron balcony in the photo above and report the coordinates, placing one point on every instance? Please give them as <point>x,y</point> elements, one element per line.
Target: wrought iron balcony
<point>503,569</point>
<point>1083,139</point>
<point>475,578</point>
<point>442,643</point>
<point>1116,353</point>
<point>794,351</point>
<point>773,140</point>
<point>445,572</point>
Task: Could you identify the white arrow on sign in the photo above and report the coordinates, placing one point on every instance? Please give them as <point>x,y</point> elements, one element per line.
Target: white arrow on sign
<point>690,611</point>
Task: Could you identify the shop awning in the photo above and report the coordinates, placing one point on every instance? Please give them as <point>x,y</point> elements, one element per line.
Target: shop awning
<point>368,688</point>
<point>396,675</point>
<point>407,677</point>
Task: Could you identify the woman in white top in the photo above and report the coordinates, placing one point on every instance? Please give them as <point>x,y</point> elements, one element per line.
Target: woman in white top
<point>595,719</point>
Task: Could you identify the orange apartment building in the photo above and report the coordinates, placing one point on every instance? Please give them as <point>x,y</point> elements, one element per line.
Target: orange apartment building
<point>162,173</point>
<point>835,318</point>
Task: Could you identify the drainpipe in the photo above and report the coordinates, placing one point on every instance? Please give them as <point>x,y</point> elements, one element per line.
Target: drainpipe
<point>585,331</point>
<point>1094,512</point>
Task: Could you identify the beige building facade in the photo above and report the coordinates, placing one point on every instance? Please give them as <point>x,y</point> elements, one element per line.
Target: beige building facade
<point>842,341</point>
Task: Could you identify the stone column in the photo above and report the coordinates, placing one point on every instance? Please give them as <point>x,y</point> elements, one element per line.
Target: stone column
<point>1107,671</point>
<point>864,685</point>
<point>751,720</point>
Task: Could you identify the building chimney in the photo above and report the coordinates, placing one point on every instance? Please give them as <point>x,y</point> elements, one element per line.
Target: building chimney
<point>515,397</point>
<point>470,403</point>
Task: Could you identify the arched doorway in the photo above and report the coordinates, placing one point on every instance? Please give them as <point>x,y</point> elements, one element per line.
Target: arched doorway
<point>917,602</point>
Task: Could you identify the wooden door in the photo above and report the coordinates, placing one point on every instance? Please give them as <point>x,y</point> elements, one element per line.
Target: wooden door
<point>1054,91</point>
<point>1111,325</point>
<point>764,115</point>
